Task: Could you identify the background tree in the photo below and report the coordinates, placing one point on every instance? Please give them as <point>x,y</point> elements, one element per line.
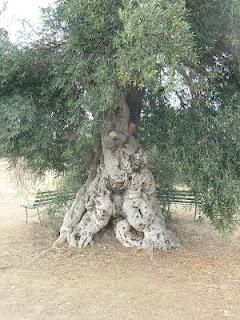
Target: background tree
<point>66,92</point>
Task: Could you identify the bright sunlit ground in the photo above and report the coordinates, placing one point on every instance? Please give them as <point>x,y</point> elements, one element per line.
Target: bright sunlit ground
<point>110,282</point>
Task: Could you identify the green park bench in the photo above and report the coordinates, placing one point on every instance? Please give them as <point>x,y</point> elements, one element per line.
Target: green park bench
<point>46,199</point>
<point>185,197</point>
<point>166,197</point>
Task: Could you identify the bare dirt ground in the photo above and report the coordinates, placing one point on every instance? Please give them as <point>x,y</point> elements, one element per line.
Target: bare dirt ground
<point>199,281</point>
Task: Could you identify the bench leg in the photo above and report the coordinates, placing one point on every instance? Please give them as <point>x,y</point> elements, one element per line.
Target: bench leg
<point>38,213</point>
<point>195,213</point>
<point>168,208</point>
<point>26,215</point>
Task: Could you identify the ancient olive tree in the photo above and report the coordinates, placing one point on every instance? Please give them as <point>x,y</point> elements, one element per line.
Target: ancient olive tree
<point>104,75</point>
<point>119,185</point>
<point>123,52</point>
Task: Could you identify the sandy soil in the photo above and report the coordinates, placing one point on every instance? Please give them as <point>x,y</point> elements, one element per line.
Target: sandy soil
<point>199,281</point>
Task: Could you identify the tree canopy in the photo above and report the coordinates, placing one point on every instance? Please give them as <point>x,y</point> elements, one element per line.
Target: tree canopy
<point>183,56</point>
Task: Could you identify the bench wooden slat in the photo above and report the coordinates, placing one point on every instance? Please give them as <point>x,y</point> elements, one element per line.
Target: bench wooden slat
<point>185,202</point>
<point>173,196</point>
<point>36,203</point>
<point>39,196</point>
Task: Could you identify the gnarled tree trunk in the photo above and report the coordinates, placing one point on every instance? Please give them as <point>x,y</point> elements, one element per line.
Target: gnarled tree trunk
<point>121,186</point>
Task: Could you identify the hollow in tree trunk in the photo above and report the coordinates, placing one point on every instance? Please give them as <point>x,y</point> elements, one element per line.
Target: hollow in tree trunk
<point>120,186</point>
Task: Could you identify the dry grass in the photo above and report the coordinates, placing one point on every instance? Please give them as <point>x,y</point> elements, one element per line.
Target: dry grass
<point>107,281</point>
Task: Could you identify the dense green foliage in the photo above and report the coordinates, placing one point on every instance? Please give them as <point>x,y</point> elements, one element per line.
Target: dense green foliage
<point>184,55</point>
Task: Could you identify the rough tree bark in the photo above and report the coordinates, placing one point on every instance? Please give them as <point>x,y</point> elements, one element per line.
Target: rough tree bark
<point>121,186</point>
